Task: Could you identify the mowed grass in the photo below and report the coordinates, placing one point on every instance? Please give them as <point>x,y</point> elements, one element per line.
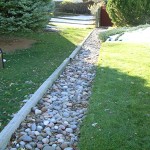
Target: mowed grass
<point>118,116</point>
<point>25,70</point>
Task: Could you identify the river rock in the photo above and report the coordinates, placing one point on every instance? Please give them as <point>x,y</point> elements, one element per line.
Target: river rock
<point>33,127</point>
<point>48,148</point>
<point>45,141</point>
<point>26,138</point>
<point>69,130</point>
<point>38,112</point>
<point>64,145</point>
<point>28,146</point>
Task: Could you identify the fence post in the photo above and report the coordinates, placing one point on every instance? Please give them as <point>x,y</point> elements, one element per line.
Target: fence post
<point>98,18</point>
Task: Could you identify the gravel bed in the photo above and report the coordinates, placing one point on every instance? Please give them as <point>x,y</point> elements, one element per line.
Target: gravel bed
<point>54,123</point>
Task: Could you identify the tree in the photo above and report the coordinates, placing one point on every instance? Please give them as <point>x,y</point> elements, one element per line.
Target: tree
<point>129,12</point>
<point>23,14</point>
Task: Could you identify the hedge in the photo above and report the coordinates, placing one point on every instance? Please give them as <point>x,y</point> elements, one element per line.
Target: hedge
<point>129,12</point>
<point>23,14</point>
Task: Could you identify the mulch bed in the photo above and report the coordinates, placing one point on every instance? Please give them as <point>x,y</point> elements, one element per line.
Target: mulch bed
<point>9,45</point>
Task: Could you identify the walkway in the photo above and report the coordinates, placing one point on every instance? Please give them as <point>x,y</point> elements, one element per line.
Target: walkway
<point>74,21</point>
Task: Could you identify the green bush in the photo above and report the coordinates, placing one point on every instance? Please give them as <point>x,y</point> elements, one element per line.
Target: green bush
<point>97,5</point>
<point>129,12</point>
<point>76,8</point>
<point>23,14</point>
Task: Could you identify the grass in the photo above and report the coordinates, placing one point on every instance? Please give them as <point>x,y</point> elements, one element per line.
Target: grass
<point>25,70</point>
<point>104,35</point>
<point>118,116</point>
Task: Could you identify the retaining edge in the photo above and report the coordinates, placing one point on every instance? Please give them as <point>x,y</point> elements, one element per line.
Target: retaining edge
<point>74,53</point>
<point>6,133</point>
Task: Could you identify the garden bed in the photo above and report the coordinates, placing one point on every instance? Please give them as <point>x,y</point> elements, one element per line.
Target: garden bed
<point>9,45</point>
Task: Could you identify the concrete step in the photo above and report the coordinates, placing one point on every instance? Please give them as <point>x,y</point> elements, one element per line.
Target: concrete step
<point>81,17</point>
<point>83,20</point>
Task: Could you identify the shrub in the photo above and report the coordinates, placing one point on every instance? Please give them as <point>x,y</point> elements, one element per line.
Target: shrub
<point>105,35</point>
<point>97,5</point>
<point>93,9</point>
<point>129,12</point>
<point>76,8</point>
<point>23,14</point>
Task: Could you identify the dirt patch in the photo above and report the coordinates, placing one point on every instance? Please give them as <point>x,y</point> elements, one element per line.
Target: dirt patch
<point>12,44</point>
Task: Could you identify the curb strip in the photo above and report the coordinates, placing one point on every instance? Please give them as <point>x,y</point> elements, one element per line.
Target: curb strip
<point>11,127</point>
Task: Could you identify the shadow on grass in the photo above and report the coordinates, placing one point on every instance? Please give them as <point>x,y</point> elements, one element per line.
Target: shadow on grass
<point>25,70</point>
<point>120,108</point>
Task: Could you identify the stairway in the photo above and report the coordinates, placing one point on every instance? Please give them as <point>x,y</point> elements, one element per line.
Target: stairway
<point>79,20</point>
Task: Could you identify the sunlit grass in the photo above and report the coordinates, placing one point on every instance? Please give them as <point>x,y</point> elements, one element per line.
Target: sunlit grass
<point>118,117</point>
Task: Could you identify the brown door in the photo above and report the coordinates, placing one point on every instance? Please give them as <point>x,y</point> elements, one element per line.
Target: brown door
<point>104,18</point>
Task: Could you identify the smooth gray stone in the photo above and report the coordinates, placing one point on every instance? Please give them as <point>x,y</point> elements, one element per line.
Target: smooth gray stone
<point>22,143</point>
<point>39,138</point>
<point>66,114</point>
<point>38,112</point>
<point>64,145</point>
<point>68,148</point>
<point>45,141</point>
<point>52,139</point>
<point>58,148</point>
<point>28,146</point>
<point>39,128</point>
<point>26,138</point>
<point>69,130</point>
<point>33,127</point>
<point>73,127</point>
<point>33,144</point>
<point>48,148</point>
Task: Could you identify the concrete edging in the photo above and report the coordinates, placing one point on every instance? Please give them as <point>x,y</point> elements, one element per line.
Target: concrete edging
<point>74,53</point>
<point>11,127</point>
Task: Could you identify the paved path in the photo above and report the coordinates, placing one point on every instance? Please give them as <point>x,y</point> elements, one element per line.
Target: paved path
<point>54,123</point>
<point>79,17</point>
<point>74,21</point>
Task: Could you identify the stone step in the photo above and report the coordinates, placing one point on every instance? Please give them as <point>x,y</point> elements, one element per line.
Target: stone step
<point>83,22</point>
<point>79,18</point>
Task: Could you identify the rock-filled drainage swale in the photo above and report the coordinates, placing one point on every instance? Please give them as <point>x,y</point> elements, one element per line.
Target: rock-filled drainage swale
<point>53,124</point>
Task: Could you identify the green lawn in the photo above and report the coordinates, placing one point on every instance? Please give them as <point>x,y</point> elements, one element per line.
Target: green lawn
<point>25,70</point>
<point>118,116</point>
